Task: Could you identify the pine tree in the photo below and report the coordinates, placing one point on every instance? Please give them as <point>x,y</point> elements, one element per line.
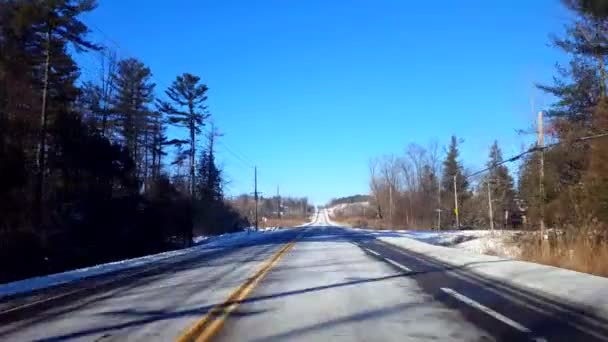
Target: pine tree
<point>588,36</point>
<point>89,103</point>
<point>134,91</point>
<point>55,25</point>
<point>210,211</point>
<point>159,140</point>
<point>580,89</point>
<point>501,184</point>
<point>209,180</point>
<point>452,168</point>
<point>187,110</point>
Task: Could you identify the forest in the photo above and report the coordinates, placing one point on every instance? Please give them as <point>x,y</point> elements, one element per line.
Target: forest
<point>87,171</point>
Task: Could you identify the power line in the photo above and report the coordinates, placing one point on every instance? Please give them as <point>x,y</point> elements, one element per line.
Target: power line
<point>535,149</point>
<point>244,160</point>
<point>239,156</point>
<point>125,50</point>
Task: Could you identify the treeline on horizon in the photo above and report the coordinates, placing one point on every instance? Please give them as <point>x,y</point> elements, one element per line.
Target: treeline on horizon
<point>348,200</point>
<point>274,207</point>
<point>87,172</point>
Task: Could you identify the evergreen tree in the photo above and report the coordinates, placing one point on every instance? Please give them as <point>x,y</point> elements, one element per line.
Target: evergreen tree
<point>211,212</point>
<point>188,110</point>
<point>588,36</point>
<point>452,168</point>
<point>54,25</point>
<point>209,175</point>
<point>89,103</point>
<point>580,89</point>
<point>85,175</point>
<point>159,140</point>
<point>134,91</point>
<point>501,184</point>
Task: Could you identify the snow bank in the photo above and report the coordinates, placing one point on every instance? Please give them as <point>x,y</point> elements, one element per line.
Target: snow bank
<point>477,241</point>
<point>204,245</point>
<point>577,288</point>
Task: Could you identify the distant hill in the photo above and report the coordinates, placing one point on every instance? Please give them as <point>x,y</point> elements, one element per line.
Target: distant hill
<point>349,200</point>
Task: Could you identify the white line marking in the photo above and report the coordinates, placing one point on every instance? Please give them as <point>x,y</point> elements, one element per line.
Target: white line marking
<point>374,253</point>
<point>469,278</point>
<point>394,263</point>
<point>485,309</point>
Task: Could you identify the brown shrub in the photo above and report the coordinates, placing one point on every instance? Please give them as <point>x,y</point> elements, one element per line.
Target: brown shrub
<point>583,250</point>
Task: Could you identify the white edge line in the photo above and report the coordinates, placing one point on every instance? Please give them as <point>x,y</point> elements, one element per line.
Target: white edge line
<point>394,263</point>
<point>485,309</point>
<point>530,305</point>
<point>370,251</point>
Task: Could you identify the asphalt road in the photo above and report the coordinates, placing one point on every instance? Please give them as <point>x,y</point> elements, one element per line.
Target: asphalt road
<point>314,283</point>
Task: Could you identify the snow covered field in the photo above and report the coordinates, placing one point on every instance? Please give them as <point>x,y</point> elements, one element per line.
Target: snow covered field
<point>204,244</point>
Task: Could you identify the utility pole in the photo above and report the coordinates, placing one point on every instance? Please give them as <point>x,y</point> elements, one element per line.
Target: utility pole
<point>490,212</point>
<point>278,203</point>
<point>456,204</point>
<point>438,203</point>
<point>390,203</point>
<point>541,172</point>
<point>255,195</point>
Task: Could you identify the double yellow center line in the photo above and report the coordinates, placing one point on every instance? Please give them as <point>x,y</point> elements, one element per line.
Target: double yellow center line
<point>210,324</point>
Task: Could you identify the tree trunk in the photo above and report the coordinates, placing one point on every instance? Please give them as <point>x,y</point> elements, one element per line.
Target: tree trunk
<point>192,149</point>
<point>602,68</point>
<point>146,166</point>
<point>155,153</point>
<point>41,150</point>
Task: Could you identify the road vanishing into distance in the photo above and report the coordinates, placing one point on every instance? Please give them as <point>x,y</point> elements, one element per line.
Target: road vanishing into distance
<point>313,283</point>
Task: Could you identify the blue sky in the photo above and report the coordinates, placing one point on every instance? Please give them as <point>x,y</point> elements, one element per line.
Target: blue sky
<point>311,90</point>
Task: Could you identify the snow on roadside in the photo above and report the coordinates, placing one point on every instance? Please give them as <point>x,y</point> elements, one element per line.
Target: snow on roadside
<point>476,241</point>
<point>203,245</point>
<point>584,290</point>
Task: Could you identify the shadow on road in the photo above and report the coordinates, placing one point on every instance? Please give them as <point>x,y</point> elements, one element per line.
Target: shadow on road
<point>262,248</point>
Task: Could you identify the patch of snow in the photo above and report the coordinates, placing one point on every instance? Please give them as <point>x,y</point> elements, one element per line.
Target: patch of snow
<point>496,243</point>
<point>477,241</point>
<point>269,229</point>
<point>198,239</point>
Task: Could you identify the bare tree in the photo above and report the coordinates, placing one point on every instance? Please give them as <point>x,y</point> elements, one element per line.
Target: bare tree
<point>376,185</point>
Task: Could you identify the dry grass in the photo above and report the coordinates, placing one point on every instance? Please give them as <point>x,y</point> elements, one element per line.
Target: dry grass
<point>583,252</point>
<point>283,222</point>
